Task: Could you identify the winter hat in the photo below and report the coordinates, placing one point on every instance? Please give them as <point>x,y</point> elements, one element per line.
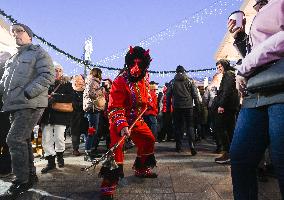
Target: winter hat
<point>180,69</point>
<point>26,28</point>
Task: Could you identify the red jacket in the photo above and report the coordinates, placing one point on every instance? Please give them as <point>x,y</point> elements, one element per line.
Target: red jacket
<point>153,108</point>
<point>127,100</point>
<point>164,108</point>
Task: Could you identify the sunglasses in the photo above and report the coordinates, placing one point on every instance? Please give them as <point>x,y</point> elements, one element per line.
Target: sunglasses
<point>18,31</point>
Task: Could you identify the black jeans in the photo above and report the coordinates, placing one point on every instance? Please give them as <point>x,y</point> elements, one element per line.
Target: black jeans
<point>167,126</point>
<point>5,158</point>
<point>77,128</point>
<point>183,118</point>
<point>225,125</point>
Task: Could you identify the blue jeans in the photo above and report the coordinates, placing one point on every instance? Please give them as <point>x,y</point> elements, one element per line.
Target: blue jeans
<point>256,127</point>
<point>152,123</point>
<point>93,119</point>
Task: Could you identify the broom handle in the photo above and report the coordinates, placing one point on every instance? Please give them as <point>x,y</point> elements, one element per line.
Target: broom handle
<point>97,161</point>
<point>131,127</point>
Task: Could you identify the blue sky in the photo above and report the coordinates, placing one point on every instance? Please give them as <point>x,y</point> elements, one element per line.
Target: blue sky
<point>116,24</point>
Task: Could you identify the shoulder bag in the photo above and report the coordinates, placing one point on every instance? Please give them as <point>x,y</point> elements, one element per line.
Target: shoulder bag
<point>270,78</point>
<point>61,107</point>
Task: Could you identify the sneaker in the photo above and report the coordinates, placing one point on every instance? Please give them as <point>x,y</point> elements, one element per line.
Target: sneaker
<point>224,159</point>
<point>15,190</point>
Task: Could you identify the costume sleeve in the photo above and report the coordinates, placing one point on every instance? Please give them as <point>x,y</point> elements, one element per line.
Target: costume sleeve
<point>117,103</point>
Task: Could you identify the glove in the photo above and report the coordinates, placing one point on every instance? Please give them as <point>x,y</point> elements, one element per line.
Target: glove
<point>125,131</point>
<point>91,131</point>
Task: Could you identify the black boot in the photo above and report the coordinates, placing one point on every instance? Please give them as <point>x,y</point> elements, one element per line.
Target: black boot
<point>50,165</point>
<point>60,160</point>
<point>144,170</point>
<point>15,190</point>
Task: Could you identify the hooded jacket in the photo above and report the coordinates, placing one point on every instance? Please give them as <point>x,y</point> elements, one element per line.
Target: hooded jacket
<point>182,91</point>
<point>26,79</point>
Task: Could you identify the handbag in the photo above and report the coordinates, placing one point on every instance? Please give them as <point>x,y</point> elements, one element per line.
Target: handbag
<point>99,103</point>
<point>269,78</point>
<point>60,106</point>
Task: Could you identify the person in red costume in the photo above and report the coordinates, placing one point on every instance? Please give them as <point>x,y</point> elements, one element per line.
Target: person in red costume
<point>129,96</point>
<point>150,116</point>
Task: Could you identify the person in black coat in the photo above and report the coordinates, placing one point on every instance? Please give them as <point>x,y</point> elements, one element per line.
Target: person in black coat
<point>54,122</point>
<point>183,92</point>
<point>5,157</point>
<point>226,105</point>
<point>78,119</point>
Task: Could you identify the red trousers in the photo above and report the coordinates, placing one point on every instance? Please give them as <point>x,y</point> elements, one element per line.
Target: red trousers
<point>142,137</point>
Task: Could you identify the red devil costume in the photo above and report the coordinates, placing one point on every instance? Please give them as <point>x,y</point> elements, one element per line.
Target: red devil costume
<point>129,96</point>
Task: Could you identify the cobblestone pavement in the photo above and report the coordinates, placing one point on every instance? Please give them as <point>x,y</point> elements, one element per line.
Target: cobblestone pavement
<point>181,177</point>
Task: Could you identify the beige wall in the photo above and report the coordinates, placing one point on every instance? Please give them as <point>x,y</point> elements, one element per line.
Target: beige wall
<point>7,42</point>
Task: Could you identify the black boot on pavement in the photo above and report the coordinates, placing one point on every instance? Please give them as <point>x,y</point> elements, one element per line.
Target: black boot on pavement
<point>60,160</point>
<point>50,165</point>
<point>15,190</point>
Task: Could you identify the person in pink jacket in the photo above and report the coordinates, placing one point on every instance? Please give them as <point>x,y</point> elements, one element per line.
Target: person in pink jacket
<point>260,122</point>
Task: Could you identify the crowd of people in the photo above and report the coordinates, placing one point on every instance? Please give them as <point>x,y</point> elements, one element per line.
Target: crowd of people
<point>242,123</point>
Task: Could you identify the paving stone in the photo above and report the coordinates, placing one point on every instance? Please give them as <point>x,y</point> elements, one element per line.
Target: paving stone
<point>180,177</point>
<point>224,191</point>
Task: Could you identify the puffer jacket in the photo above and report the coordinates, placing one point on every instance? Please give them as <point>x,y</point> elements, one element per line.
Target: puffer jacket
<point>91,92</point>
<point>26,79</point>
<point>183,91</point>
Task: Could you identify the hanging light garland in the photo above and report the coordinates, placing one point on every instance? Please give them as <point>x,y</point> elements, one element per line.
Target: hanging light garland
<point>216,8</point>
<point>198,17</point>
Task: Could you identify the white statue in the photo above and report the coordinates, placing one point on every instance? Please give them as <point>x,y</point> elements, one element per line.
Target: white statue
<point>88,48</point>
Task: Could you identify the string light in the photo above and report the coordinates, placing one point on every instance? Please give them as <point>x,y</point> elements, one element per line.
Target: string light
<point>183,25</point>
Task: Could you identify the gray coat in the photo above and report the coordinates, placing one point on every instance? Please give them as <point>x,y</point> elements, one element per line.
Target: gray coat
<point>26,79</point>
